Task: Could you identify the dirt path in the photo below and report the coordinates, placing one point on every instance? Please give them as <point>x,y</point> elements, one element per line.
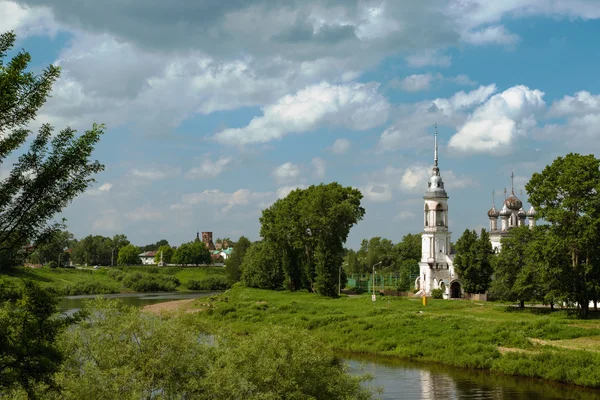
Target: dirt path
<point>170,307</point>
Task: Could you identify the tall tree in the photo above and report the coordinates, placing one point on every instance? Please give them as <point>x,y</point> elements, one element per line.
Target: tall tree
<point>55,168</point>
<point>473,261</point>
<point>129,255</point>
<point>234,262</point>
<point>53,248</point>
<point>194,252</point>
<point>92,250</point>
<point>262,267</point>
<point>567,195</point>
<point>167,254</point>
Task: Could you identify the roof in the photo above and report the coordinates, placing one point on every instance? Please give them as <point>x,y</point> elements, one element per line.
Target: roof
<point>228,251</point>
<point>148,254</point>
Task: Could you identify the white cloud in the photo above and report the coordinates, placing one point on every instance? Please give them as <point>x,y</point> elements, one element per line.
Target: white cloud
<point>340,146</point>
<point>286,172</point>
<point>145,213</point>
<point>354,106</point>
<point>283,191</point>
<point>377,193</point>
<point>319,167</point>
<point>26,21</point>
<point>415,179</point>
<point>154,174</point>
<point>492,34</point>
<point>416,82</point>
<point>105,187</point>
<point>493,126</point>
<point>209,168</point>
<point>428,58</point>
<point>226,201</point>
<point>109,222</point>
<point>464,100</point>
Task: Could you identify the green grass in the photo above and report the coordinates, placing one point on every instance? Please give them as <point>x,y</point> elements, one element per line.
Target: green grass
<point>69,281</point>
<point>466,334</point>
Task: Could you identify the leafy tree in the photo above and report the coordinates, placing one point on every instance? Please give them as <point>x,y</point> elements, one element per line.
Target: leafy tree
<point>154,246</point>
<point>56,167</point>
<point>93,250</point>
<point>566,194</point>
<point>54,246</point>
<point>473,261</point>
<point>167,254</point>
<point>308,228</point>
<point>129,255</point>
<point>29,354</point>
<point>235,260</point>
<point>514,277</point>
<point>262,267</point>
<point>194,252</point>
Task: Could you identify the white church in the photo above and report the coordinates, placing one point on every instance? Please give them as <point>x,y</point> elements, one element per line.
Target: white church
<point>436,266</point>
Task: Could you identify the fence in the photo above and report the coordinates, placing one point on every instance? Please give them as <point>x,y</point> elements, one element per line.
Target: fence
<point>382,281</point>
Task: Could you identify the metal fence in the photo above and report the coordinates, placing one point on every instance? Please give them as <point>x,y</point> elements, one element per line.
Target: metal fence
<point>382,281</point>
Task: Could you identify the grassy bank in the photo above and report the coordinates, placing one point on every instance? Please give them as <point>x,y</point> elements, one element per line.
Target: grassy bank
<point>70,281</point>
<point>485,336</point>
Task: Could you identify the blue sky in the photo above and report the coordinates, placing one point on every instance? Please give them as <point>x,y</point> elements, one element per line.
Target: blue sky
<point>213,111</point>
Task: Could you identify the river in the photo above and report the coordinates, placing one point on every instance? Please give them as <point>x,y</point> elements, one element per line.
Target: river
<point>401,379</point>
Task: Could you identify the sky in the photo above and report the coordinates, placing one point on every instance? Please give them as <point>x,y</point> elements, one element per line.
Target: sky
<point>215,109</point>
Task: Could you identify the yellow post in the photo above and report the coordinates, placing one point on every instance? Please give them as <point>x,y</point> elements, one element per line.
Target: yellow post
<point>424,300</point>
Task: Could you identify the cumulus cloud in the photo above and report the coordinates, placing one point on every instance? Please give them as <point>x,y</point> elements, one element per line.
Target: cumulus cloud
<point>153,174</point>
<point>355,106</point>
<point>319,167</point>
<point>377,193</point>
<point>283,191</point>
<point>493,126</point>
<point>340,146</point>
<point>105,187</point>
<point>416,82</point>
<point>428,58</point>
<point>26,21</point>
<point>209,168</point>
<point>286,172</point>
<point>492,34</point>
<point>404,215</point>
<point>145,213</point>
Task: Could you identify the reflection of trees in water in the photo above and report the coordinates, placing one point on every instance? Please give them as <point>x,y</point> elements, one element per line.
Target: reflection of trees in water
<point>435,382</point>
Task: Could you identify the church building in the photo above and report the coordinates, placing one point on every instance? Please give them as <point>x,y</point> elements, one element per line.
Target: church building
<point>436,266</point>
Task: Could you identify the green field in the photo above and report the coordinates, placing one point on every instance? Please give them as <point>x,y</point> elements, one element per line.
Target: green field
<point>70,281</point>
<point>487,336</point>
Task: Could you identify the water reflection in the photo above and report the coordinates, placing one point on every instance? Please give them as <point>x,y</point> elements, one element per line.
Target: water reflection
<point>403,380</point>
<point>72,304</point>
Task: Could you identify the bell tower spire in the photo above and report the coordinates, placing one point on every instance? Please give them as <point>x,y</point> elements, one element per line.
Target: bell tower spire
<point>435,154</point>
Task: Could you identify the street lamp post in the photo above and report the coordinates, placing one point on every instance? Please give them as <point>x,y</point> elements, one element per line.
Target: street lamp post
<point>374,276</point>
<point>340,279</point>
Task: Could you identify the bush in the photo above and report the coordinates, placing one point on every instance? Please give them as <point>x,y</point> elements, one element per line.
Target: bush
<point>52,264</point>
<point>116,274</point>
<point>87,288</point>
<point>208,283</point>
<point>437,294</point>
<point>141,282</point>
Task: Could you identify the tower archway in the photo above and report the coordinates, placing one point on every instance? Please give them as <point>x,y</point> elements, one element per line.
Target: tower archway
<point>455,290</point>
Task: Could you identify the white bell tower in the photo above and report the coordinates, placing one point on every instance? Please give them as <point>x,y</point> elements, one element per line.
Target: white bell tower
<point>436,269</point>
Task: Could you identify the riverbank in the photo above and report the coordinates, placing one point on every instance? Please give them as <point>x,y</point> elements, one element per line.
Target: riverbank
<point>71,281</point>
<point>533,343</point>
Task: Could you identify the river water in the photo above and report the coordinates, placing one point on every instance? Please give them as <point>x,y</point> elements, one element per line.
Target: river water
<point>400,379</point>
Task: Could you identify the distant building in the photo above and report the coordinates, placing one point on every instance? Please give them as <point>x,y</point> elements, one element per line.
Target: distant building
<point>147,257</point>
<point>207,238</point>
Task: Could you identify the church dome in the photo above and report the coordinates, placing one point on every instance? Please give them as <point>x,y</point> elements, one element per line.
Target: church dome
<point>493,213</point>
<point>505,212</point>
<point>531,213</point>
<point>513,202</point>
<point>521,213</point>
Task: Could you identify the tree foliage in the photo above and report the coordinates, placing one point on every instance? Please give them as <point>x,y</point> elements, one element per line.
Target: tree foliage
<point>154,246</point>
<point>53,248</point>
<point>56,167</point>
<point>129,255</point>
<point>194,252</point>
<point>235,260</point>
<point>473,261</point>
<point>308,229</point>
<point>28,329</point>
<point>262,267</point>
<point>167,254</point>
<point>566,194</point>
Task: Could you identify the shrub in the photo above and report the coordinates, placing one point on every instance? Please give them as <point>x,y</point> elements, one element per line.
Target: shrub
<point>52,264</point>
<point>437,294</point>
<point>116,274</point>
<point>141,282</point>
<point>87,288</point>
<point>208,283</point>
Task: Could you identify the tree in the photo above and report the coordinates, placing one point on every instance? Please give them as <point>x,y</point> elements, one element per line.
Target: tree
<point>566,194</point>
<point>167,254</point>
<point>129,255</point>
<point>93,250</point>
<point>154,246</point>
<point>56,167</point>
<point>262,267</point>
<point>514,277</point>
<point>28,330</point>
<point>308,228</point>
<point>473,261</point>
<point>194,252</point>
<point>234,262</point>
<point>53,248</point>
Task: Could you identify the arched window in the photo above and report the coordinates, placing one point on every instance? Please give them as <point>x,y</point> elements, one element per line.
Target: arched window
<point>426,215</point>
<point>439,216</point>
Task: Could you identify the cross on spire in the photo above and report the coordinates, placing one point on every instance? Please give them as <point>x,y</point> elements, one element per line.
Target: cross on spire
<point>435,154</point>
<point>512,181</point>
<point>493,198</point>
<point>504,193</point>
